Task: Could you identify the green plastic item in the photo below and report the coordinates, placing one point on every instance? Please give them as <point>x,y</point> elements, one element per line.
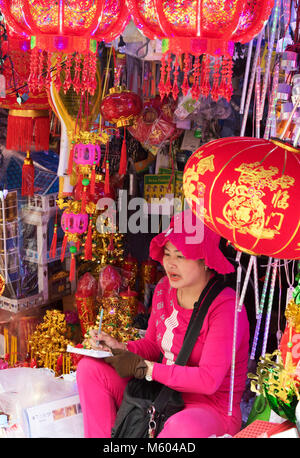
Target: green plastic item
<point>261,410</point>
<point>32,42</point>
<point>164,45</point>
<point>85,181</point>
<point>73,249</point>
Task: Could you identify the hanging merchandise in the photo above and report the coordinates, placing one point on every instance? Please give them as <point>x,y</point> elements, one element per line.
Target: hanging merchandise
<point>64,34</point>
<point>120,107</point>
<point>86,301</point>
<point>254,187</point>
<point>154,126</point>
<point>28,123</point>
<point>194,28</point>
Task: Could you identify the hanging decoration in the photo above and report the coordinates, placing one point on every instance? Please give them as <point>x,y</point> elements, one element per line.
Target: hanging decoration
<point>120,107</point>
<point>28,122</point>
<point>67,30</point>
<point>85,301</point>
<point>256,182</point>
<point>154,126</point>
<point>202,35</point>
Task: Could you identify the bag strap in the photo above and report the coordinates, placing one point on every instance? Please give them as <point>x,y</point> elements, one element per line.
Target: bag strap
<point>213,288</point>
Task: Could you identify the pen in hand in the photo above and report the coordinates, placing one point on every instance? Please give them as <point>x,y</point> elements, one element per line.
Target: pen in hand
<point>100,321</point>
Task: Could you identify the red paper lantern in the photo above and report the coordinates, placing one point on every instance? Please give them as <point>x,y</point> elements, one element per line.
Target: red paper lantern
<point>121,106</point>
<point>197,27</point>
<point>248,191</point>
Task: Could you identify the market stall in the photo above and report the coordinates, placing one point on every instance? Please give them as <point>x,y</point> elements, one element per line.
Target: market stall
<point>114,117</point>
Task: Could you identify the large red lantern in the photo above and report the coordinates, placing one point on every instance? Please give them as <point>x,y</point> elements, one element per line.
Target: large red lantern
<point>196,27</point>
<point>65,28</point>
<point>248,191</point>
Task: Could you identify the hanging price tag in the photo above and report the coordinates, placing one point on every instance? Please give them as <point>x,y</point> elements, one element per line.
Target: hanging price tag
<point>2,87</point>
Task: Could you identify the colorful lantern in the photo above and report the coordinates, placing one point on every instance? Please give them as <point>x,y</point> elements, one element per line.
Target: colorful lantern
<point>195,27</point>
<point>65,28</point>
<point>248,190</point>
<point>74,223</point>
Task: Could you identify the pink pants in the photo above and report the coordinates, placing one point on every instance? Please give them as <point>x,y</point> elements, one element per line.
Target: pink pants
<point>101,391</point>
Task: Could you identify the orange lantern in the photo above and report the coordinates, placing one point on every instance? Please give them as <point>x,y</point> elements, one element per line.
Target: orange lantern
<point>248,191</point>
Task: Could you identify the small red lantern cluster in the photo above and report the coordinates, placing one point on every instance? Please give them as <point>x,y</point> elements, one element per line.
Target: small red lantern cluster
<point>195,27</point>
<point>248,191</point>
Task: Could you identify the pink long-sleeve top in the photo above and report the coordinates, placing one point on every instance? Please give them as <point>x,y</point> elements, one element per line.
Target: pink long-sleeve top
<point>206,377</point>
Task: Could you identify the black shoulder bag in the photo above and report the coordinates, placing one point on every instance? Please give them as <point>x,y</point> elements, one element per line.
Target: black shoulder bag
<point>147,405</point>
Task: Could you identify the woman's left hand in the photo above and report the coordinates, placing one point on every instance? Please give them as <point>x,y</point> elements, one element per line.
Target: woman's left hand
<point>127,364</point>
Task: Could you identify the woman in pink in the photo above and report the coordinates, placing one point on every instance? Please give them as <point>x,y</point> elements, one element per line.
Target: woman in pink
<point>190,254</point>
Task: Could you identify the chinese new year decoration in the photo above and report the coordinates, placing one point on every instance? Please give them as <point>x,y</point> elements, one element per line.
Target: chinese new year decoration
<point>204,30</point>
<point>247,190</point>
<point>64,35</point>
<point>28,123</point>
<point>48,343</point>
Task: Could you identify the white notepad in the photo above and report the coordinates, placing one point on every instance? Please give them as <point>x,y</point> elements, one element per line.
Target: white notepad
<point>86,352</point>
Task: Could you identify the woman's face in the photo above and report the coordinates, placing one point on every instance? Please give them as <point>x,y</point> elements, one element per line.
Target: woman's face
<point>182,272</point>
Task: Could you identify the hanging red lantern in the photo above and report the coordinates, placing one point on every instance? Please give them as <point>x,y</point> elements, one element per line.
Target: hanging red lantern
<point>68,30</point>
<point>194,27</point>
<point>248,191</point>
<point>121,106</point>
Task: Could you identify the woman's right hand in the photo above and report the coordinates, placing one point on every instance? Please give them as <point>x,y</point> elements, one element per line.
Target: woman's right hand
<point>103,341</point>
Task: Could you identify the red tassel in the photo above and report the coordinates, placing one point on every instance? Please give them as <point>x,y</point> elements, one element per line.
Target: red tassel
<point>106,181</point>
<point>83,199</point>
<point>52,252</point>
<point>64,246</point>
<point>28,176</point>
<point>93,179</point>
<point>123,158</point>
<point>41,133</point>
<point>19,134</point>
<point>70,161</point>
<point>88,243</point>
<point>73,251</point>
